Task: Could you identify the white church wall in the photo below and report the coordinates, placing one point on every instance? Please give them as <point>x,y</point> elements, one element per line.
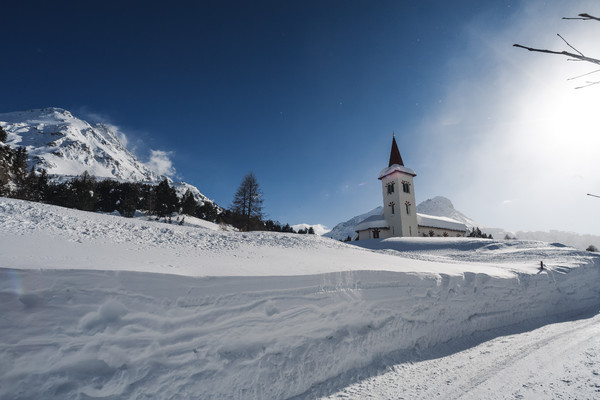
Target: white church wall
<point>439,232</point>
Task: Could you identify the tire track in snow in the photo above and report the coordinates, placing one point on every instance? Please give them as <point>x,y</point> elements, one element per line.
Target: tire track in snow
<point>560,360</point>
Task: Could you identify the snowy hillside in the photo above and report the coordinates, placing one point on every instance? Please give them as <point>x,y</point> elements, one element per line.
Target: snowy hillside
<point>66,146</point>
<point>344,229</point>
<point>108,307</point>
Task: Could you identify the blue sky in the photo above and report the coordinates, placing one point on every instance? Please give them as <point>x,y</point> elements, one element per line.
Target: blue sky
<point>307,95</point>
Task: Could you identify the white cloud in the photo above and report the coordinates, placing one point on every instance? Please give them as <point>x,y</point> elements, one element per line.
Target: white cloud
<point>119,134</point>
<point>161,163</point>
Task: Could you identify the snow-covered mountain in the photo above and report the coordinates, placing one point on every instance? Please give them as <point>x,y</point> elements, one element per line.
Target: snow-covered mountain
<point>344,229</point>
<point>440,206</point>
<point>66,146</point>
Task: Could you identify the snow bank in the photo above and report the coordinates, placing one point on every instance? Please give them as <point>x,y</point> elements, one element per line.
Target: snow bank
<point>89,327</point>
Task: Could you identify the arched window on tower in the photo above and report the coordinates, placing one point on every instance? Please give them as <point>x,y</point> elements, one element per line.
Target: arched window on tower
<point>390,187</point>
<point>407,204</point>
<point>392,204</point>
<point>406,186</point>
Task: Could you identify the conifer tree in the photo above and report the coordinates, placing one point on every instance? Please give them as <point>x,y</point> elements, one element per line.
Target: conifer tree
<point>19,165</point>
<point>83,192</point>
<point>188,203</point>
<point>167,201</point>
<point>129,195</point>
<point>3,135</point>
<point>207,211</point>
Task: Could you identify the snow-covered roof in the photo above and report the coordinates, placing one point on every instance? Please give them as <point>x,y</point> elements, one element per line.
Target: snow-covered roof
<point>431,221</point>
<point>393,168</point>
<point>374,221</point>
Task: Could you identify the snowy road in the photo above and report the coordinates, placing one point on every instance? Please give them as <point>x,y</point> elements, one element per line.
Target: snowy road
<point>556,361</point>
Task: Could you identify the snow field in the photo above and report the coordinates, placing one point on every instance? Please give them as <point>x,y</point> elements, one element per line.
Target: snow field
<point>247,315</point>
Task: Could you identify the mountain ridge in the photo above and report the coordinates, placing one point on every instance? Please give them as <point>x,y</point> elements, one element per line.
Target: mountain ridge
<point>67,146</point>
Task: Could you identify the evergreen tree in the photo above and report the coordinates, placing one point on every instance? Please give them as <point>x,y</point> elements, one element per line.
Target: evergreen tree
<point>147,198</point>
<point>207,211</point>
<point>167,201</point>
<point>60,194</point>
<point>476,233</point>
<point>83,191</point>
<point>273,226</point>
<point>107,196</point>
<point>248,200</point>
<point>3,135</point>
<point>28,188</point>
<point>19,165</point>
<point>311,231</point>
<point>129,194</point>
<point>188,203</point>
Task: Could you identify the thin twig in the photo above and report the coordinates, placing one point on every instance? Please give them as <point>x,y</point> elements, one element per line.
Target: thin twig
<point>568,44</point>
<point>581,76</point>
<point>588,85</point>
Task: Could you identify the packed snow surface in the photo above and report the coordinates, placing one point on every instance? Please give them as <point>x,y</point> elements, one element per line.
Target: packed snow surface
<point>100,306</point>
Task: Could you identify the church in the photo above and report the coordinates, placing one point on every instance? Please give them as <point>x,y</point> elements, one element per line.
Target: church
<point>400,217</point>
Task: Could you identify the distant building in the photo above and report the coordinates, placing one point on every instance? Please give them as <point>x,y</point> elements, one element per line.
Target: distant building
<point>400,217</point>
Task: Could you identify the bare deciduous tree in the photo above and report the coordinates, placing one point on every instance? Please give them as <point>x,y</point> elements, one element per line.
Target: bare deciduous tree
<point>574,55</point>
<point>248,199</point>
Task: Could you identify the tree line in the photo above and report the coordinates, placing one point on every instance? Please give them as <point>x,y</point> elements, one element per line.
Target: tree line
<point>87,193</point>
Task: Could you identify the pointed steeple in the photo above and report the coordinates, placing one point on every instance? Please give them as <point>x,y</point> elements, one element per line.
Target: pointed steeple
<point>395,157</point>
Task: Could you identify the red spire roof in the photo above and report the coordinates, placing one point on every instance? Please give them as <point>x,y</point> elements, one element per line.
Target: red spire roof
<point>395,157</point>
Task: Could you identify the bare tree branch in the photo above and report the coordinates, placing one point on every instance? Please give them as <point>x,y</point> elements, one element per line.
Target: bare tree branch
<point>563,53</point>
<point>585,17</point>
<point>577,56</point>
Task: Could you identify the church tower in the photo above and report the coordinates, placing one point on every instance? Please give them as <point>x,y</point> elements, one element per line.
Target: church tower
<point>399,208</point>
